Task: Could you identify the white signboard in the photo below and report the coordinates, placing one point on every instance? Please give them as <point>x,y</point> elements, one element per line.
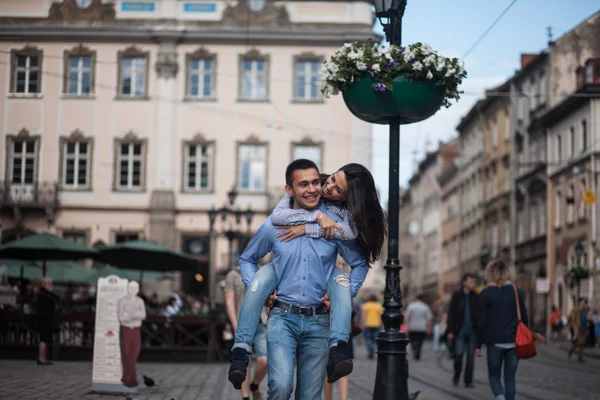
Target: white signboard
<point>107,370</point>
<point>542,285</point>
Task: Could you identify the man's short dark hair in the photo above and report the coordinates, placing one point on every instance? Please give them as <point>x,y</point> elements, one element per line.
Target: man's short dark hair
<point>468,275</point>
<point>420,297</point>
<point>296,165</point>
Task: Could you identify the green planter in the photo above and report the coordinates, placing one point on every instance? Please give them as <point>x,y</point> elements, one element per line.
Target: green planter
<point>408,101</point>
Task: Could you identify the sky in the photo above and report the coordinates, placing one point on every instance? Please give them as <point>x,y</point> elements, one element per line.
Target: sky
<point>451,27</point>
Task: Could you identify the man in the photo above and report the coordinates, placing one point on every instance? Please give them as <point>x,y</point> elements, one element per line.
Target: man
<point>462,323</point>
<point>577,324</point>
<point>46,303</point>
<point>372,311</point>
<point>418,321</point>
<point>298,325</point>
<point>234,296</point>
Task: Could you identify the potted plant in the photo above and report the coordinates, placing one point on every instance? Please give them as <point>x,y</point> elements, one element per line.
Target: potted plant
<point>578,273</point>
<point>406,84</point>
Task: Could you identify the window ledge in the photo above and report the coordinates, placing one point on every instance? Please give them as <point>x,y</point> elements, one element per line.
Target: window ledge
<point>66,96</point>
<point>25,96</point>
<point>190,99</point>
<point>133,98</point>
<point>76,190</point>
<point>243,192</point>
<point>196,192</point>
<point>263,101</point>
<point>310,101</point>
<point>132,191</point>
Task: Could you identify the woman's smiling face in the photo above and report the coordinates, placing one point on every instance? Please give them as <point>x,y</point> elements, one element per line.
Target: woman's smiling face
<point>335,187</point>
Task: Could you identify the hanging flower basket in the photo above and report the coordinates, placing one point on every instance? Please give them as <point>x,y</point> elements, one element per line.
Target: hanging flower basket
<point>577,273</point>
<point>378,85</point>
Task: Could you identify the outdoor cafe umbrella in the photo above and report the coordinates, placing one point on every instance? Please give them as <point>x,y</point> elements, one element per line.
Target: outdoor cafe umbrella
<point>147,255</point>
<point>45,247</point>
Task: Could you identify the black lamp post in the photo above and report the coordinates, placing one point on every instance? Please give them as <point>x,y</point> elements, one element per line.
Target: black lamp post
<point>392,367</point>
<point>225,212</point>
<point>579,262</point>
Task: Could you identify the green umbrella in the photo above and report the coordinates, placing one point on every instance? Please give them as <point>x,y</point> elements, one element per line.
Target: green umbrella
<point>45,247</point>
<point>147,255</point>
<point>22,269</point>
<point>69,271</point>
<point>129,274</point>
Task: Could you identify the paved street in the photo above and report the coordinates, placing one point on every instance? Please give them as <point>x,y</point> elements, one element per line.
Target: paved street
<point>550,376</point>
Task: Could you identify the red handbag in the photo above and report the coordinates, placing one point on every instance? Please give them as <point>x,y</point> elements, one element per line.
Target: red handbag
<point>525,339</point>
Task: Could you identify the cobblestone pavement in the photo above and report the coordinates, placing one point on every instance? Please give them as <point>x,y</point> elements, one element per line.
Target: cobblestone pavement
<point>550,376</point>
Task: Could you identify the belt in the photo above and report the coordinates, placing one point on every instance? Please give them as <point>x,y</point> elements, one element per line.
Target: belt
<point>304,311</point>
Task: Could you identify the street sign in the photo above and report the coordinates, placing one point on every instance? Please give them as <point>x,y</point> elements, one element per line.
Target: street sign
<point>589,197</point>
<point>542,285</point>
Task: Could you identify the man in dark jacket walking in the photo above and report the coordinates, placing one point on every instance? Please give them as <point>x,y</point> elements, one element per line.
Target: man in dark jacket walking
<point>46,302</point>
<point>462,323</point>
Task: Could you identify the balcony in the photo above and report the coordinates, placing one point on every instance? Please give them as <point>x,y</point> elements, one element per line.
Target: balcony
<point>588,74</point>
<point>40,195</point>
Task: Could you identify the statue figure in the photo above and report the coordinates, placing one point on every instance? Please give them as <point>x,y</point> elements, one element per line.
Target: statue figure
<point>132,312</point>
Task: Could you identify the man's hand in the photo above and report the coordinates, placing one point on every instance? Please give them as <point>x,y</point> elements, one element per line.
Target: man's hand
<point>326,301</point>
<point>329,226</point>
<point>451,336</point>
<point>478,352</point>
<point>271,299</point>
<point>234,326</point>
<point>291,232</point>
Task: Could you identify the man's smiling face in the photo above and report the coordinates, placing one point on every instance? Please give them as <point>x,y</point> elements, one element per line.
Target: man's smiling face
<point>306,188</point>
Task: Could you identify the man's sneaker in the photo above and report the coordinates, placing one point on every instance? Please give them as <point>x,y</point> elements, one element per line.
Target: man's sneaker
<point>339,363</point>
<point>239,364</point>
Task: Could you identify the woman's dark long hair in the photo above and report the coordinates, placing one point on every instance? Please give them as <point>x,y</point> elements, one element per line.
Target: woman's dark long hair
<point>364,207</point>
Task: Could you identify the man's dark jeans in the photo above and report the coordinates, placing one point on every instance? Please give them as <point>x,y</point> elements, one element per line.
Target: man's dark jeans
<point>464,344</point>
<point>416,341</point>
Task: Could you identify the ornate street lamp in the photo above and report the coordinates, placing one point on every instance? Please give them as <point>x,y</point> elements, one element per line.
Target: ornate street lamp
<point>232,195</point>
<point>578,270</point>
<point>392,367</point>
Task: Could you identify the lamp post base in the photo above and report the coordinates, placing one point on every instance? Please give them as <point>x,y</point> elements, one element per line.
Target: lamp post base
<point>392,366</point>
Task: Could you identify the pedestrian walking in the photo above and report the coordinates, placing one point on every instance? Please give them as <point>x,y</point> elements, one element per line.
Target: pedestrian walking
<point>577,323</point>
<point>47,320</point>
<point>497,319</point>
<point>555,322</point>
<point>234,295</point>
<point>372,311</point>
<point>418,321</point>
<point>462,323</point>
<point>438,318</point>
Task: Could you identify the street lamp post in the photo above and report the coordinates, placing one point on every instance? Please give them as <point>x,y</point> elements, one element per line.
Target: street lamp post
<point>392,367</point>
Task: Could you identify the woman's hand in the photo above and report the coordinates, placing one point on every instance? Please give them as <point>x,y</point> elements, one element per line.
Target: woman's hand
<point>329,225</point>
<point>478,352</point>
<point>291,232</point>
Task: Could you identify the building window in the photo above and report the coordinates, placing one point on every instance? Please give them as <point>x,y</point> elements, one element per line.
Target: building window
<point>572,149</point>
<point>252,167</point>
<point>558,148</point>
<point>312,152</point>
<point>79,72</point>
<point>307,78</point>
<point>123,237</point>
<point>130,164</point>
<point>79,237</point>
<point>201,74</point>
<point>494,239</point>
<point>584,136</point>
<point>76,166</point>
<point>198,159</point>
<point>23,159</point>
<point>133,73</point>
<point>534,94</point>
<point>495,134</point>
<point>542,217</point>
<point>557,207</point>
<point>543,89</point>
<point>506,229</point>
<point>571,204</point>
<point>26,75</point>
<point>581,206</point>
<point>254,76</point>
<point>506,125</point>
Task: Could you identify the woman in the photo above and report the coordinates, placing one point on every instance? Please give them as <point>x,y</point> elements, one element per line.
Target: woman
<point>555,322</point>
<point>349,193</point>
<point>497,327</point>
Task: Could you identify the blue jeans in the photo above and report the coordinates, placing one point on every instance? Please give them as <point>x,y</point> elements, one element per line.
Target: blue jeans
<point>495,357</point>
<point>265,282</point>
<point>370,336</point>
<point>464,343</point>
<point>292,338</point>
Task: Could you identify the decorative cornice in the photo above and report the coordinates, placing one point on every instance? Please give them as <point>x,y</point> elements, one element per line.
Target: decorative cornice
<point>307,141</point>
<point>23,133</point>
<point>76,135</point>
<point>252,139</point>
<point>199,138</point>
<point>133,51</point>
<point>201,53</point>
<point>253,54</point>
<point>269,17</point>
<point>166,63</point>
<point>80,49</point>
<point>131,136</point>
<point>67,10</point>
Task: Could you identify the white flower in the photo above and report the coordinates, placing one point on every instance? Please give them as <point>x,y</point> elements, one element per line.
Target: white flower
<point>408,56</point>
<point>429,60</point>
<point>429,75</point>
<point>388,55</point>
<point>354,54</point>
<point>417,66</point>
<point>361,66</point>
<point>450,72</point>
<point>440,65</point>
<point>426,49</point>
<point>347,46</point>
<point>376,67</point>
